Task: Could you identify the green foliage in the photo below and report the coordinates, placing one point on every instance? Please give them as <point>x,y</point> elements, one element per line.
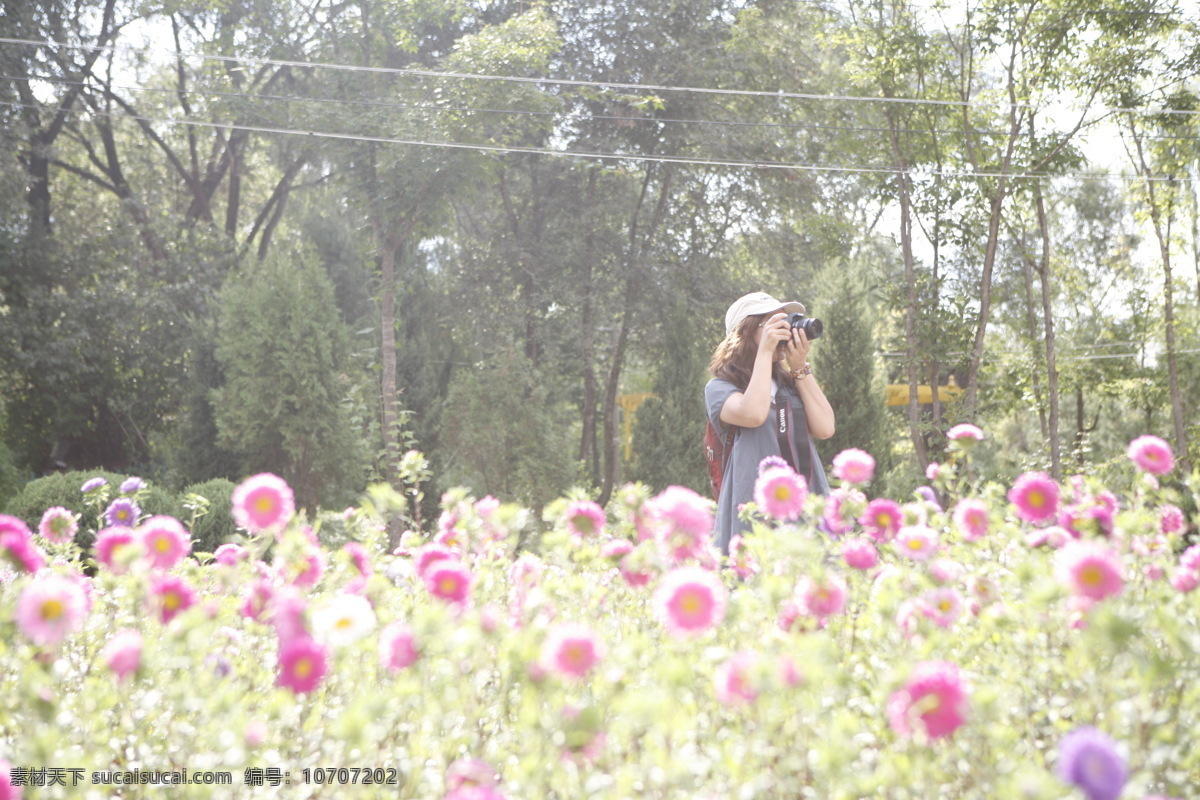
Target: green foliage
<point>208,508</point>
<point>281,345</point>
<point>503,436</point>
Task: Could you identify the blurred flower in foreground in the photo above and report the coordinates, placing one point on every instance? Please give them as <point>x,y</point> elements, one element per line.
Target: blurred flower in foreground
<point>1089,760</point>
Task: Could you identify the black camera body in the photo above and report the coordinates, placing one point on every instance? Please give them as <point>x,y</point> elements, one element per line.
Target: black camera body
<point>812,327</point>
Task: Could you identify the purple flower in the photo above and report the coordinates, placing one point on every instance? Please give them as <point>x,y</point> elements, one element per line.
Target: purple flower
<point>122,513</point>
<point>1089,759</point>
<point>131,485</point>
<point>92,484</point>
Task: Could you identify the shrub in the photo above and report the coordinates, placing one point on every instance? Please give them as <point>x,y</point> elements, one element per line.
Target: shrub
<point>216,526</point>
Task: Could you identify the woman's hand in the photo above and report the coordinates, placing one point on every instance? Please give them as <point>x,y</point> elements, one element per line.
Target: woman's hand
<point>796,348</point>
<point>775,332</point>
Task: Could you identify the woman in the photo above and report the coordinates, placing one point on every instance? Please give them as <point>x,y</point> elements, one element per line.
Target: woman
<point>764,390</point>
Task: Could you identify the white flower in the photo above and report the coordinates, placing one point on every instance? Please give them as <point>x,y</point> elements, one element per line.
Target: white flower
<point>344,619</point>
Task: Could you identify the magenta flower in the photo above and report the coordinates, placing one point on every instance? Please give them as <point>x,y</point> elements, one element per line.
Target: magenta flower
<point>58,525</point>
<point>843,507</point>
<point>971,518</point>
<point>17,547</point>
<point>123,653</point>
<point>50,608</point>
<point>230,553</point>
<point>115,547</point>
<point>854,466</point>
<point>358,558</point>
<point>917,542</point>
<point>965,433</point>
<point>1035,494</point>
<point>288,615</point>
<point>302,665</point>
<point>735,679</point>
<point>1090,569</point>
<point>1151,454</point>
<point>448,580</point>
<point>584,519</point>
<point>571,650</point>
<point>942,606</point>
<point>934,700</point>
<point>1170,518</point>
<point>397,647</point>
<point>821,598</point>
<point>860,553</point>
<point>681,521</point>
<point>690,600</point>
<point>256,599</point>
<point>164,541</point>
<point>1190,558</point>
<point>122,513</point>
<point>780,493</point>
<point>169,596</point>
<point>1185,580</point>
<point>431,554</point>
<point>8,790</point>
<point>882,519</point>
<point>263,502</point>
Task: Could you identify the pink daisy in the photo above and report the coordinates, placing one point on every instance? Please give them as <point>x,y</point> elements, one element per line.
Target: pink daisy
<point>397,647</point>
<point>971,518</point>
<point>843,507</point>
<point>1190,558</point>
<point>164,541</point>
<point>448,580</point>
<point>943,570</point>
<point>682,522</point>
<point>854,466</point>
<point>50,608</point>
<point>882,519</point>
<point>302,665</point>
<point>1151,454</point>
<point>740,560</point>
<point>1090,569</point>
<point>230,554</point>
<point>1035,494</point>
<point>256,599</point>
<point>634,570</point>
<point>358,557</point>
<point>821,598</point>
<point>115,548</point>
<point>471,772</point>
<point>58,525</point>
<point>917,542</point>
<point>933,700</point>
<point>965,433</point>
<point>860,553</point>
<point>8,790</point>
<point>263,502</point>
<point>17,547</point>
<point>616,549</point>
<point>780,493</point>
<point>690,600</point>
<point>289,611</point>
<point>169,596</point>
<point>735,679</point>
<point>123,653</point>
<point>308,569</point>
<point>1185,580</point>
<point>584,519</point>
<point>571,650</point>
<point>942,606</point>
<point>430,554</point>
<point>1170,518</point>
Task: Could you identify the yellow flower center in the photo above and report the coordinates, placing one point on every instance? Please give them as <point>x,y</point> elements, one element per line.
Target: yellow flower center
<point>1091,575</point>
<point>690,603</point>
<point>161,544</point>
<point>264,503</point>
<point>447,585</point>
<point>171,601</point>
<point>303,668</point>
<point>1036,499</point>
<point>344,623</point>
<point>782,493</point>
<point>52,609</point>
<point>915,544</point>
<point>945,606</point>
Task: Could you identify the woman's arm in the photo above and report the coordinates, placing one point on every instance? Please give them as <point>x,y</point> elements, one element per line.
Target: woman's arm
<point>750,408</point>
<point>821,423</point>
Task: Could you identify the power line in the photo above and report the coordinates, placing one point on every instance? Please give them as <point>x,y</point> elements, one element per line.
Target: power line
<point>649,158</point>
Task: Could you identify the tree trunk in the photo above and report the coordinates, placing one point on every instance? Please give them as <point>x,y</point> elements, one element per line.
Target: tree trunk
<point>1048,321</point>
<point>588,453</point>
<point>985,298</point>
<point>1031,321</point>
<point>388,247</point>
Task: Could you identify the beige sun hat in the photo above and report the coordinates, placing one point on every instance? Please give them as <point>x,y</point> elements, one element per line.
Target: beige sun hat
<point>756,303</point>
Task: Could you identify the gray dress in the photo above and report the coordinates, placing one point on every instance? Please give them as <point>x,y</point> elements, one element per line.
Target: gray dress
<point>751,446</point>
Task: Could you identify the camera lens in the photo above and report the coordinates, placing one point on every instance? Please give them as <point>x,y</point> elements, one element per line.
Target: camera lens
<point>812,327</point>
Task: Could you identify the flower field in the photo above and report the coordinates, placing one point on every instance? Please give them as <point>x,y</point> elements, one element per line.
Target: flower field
<point>1034,640</point>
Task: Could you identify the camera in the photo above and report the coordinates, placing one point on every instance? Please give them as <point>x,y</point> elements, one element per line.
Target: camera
<point>812,327</point>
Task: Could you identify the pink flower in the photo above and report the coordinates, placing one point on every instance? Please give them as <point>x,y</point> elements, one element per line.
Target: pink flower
<point>965,433</point>
<point>1185,580</point>
<point>917,542</point>
<point>288,609</point>
<point>942,606</point>
<point>1054,536</point>
<point>584,519</point>
<point>256,598</point>
<point>971,519</point>
<point>114,548</point>
<point>740,559</point>
<point>50,608</point>
<point>397,647</point>
<point>735,679</point>
<point>1035,494</point>
<point>448,580</point>
<point>58,525</point>
<point>17,547</point>
<point>789,613</point>
<point>164,541</point>
<point>682,522</point>
<point>8,790</point>
<point>860,553</point>
<point>471,772</point>
<point>943,570</point>
<point>934,700</point>
<point>843,507</point>
<point>358,557</point>
<point>1170,518</point>
<point>430,554</point>
<point>690,600</point>
<point>262,503</point>
<point>123,653</point>
<point>634,571</point>
<point>821,599</point>
<point>933,470</point>
<point>780,493</point>
<point>302,665</point>
<point>1190,558</point>
<point>1151,454</point>
<point>475,793</point>
<point>616,549</point>
<point>882,519</point>
<point>1090,569</point>
<point>170,595</point>
<point>572,650</point>
<point>229,554</point>
<point>854,466</point>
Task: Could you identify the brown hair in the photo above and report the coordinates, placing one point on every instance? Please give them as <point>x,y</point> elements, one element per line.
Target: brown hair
<point>733,360</point>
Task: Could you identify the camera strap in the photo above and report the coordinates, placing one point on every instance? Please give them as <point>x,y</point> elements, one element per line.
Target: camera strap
<point>785,422</point>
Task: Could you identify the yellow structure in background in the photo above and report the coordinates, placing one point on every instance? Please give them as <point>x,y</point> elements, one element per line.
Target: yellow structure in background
<point>630,403</point>
<point>897,393</point>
